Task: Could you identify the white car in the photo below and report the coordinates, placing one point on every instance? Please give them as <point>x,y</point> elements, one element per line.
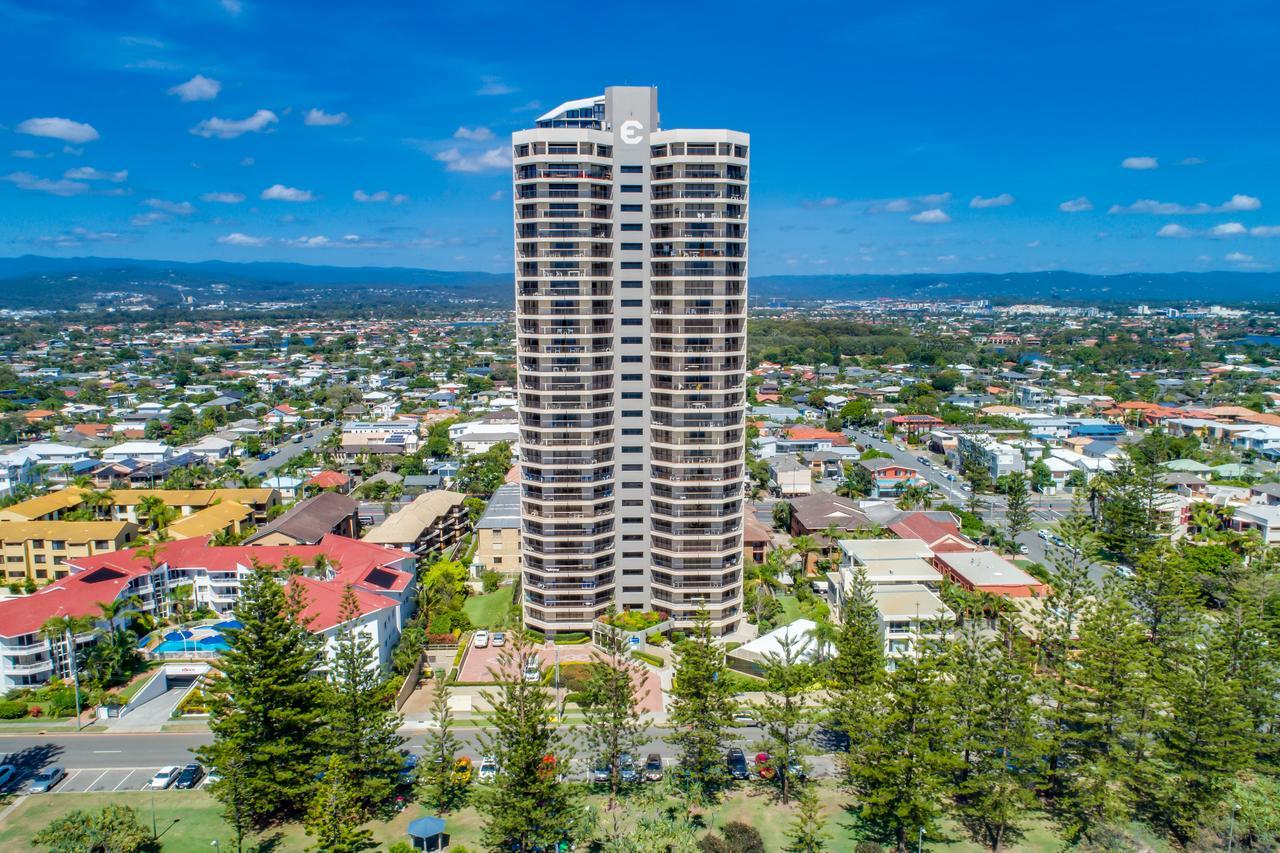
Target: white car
<point>488,769</point>
<point>1043,534</point>
<point>499,639</point>
<point>164,777</point>
<point>481,639</point>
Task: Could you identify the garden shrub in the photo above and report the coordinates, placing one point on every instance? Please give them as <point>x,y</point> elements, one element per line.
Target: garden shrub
<point>12,710</point>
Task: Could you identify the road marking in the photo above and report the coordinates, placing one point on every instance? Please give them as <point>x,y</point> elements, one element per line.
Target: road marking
<point>106,751</point>
<point>96,781</point>
<point>124,780</point>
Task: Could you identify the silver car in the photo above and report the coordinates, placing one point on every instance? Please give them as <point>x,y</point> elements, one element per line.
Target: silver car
<point>49,776</point>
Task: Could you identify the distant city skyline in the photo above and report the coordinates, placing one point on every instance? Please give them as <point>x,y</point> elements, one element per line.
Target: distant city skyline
<point>930,137</point>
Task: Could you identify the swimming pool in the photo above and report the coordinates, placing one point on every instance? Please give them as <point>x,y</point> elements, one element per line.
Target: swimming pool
<point>206,638</point>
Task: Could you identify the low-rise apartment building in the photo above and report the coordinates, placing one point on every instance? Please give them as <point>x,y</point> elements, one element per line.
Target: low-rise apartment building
<point>39,550</point>
<point>498,533</point>
<point>431,524</point>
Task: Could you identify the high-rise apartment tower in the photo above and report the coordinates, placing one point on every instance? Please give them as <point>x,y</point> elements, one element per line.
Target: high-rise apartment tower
<point>631,320</point>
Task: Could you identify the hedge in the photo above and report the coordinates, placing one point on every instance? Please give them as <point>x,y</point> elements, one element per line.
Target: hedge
<point>12,710</point>
<point>653,660</point>
<point>572,638</point>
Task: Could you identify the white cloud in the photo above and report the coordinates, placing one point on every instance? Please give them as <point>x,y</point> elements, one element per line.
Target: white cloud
<point>1140,163</point>
<point>150,218</point>
<point>1192,161</point>
<point>279,192</point>
<point>246,161</point>
<point>1236,203</point>
<point>379,196</point>
<point>225,128</point>
<point>1265,231</point>
<point>490,85</point>
<point>1239,258</point>
<point>223,198</point>
<point>932,216</point>
<point>64,187</point>
<point>497,195</point>
<point>475,134</point>
<point>77,237</point>
<point>1002,200</point>
<point>72,150</point>
<point>234,7</point>
<point>320,118</point>
<point>935,198</point>
<point>28,154</point>
<point>1034,244</point>
<point>1228,229</point>
<point>492,159</point>
<point>88,173</point>
<point>896,205</point>
<point>829,201</point>
<point>1240,202</point>
<point>235,238</point>
<point>198,88</point>
<point>948,258</point>
<point>1172,230</point>
<point>177,208</point>
<point>58,128</point>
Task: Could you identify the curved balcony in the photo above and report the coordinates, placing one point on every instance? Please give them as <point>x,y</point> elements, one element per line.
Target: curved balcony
<point>699,289</point>
<point>698,457</point>
<point>696,494</point>
<point>697,370</point>
<point>531,192</point>
<point>698,564</point>
<point>535,510</point>
<point>538,563</point>
<point>537,403</point>
<point>554,328</point>
<point>710,474</point>
<point>697,308</point>
<point>699,172</point>
<point>562,172</point>
<point>680,547</point>
<point>698,328</point>
<point>679,583</point>
<point>669,231</point>
<point>675,421</point>
<point>708,347</point>
<point>661,438</point>
<point>531,439</point>
<point>700,213</point>
<point>566,347</point>
<point>537,456</point>
<point>533,382</point>
<point>699,269</point>
<point>729,526</point>
<point>566,231</point>
<point>576,478</point>
<point>563,369</point>
<point>535,211</point>
<point>661,509</point>
<point>586,584</point>
<point>538,250</point>
<point>564,290</point>
<point>696,402</point>
<point>574,531</point>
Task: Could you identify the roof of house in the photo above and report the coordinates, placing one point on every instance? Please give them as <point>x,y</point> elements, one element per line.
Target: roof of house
<point>938,535</point>
<point>909,601</point>
<point>62,499</point>
<point>895,571</point>
<point>323,607</point>
<point>71,531</point>
<point>808,433</point>
<point>820,510</point>
<point>798,634</point>
<point>308,521</point>
<point>867,550</point>
<point>329,480</point>
<point>404,526</point>
<point>987,569</point>
<point>210,520</point>
<point>503,511</point>
<point>755,531</point>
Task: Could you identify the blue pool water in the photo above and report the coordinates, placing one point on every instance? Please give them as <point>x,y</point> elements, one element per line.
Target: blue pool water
<point>215,643</point>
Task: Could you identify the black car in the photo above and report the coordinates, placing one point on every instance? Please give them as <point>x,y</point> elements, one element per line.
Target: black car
<point>737,762</point>
<point>189,777</point>
<point>653,768</point>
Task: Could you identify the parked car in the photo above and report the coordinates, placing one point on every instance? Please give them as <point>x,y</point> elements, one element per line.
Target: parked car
<point>480,640</point>
<point>7,774</point>
<point>627,772</point>
<point>499,639</point>
<point>408,772</point>
<point>532,671</point>
<point>488,769</point>
<point>164,777</point>
<point>795,771</point>
<point>744,718</point>
<point>653,768</point>
<point>1023,549</point>
<point>297,439</point>
<point>189,777</point>
<point>1043,534</point>
<point>600,774</point>
<point>737,762</point>
<point>44,781</point>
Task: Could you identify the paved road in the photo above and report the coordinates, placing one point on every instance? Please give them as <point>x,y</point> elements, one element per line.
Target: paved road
<point>285,451</point>
<point>112,762</point>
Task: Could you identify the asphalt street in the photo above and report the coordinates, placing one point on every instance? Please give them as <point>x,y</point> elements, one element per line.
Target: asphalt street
<point>284,452</point>
<point>126,762</point>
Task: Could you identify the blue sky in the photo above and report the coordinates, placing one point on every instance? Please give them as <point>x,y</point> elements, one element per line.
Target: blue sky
<point>886,137</point>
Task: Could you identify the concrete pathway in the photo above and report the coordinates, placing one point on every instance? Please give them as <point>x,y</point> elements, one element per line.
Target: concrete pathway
<point>150,716</point>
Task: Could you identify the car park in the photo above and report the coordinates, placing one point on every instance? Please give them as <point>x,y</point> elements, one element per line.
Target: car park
<point>164,777</point>
<point>737,762</point>
<point>189,777</point>
<point>653,768</point>
<point>44,781</point>
<point>480,640</point>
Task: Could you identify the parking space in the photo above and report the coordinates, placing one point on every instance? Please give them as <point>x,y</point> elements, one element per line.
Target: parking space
<point>98,780</point>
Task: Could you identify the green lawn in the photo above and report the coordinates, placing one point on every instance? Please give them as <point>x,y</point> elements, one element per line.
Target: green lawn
<point>489,610</point>
<point>790,610</point>
<point>191,820</point>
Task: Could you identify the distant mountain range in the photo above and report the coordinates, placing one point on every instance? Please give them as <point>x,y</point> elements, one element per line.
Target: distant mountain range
<point>33,281</point>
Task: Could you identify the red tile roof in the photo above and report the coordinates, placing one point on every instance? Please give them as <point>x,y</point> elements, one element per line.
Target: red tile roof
<point>802,433</point>
<point>329,480</point>
<point>324,602</point>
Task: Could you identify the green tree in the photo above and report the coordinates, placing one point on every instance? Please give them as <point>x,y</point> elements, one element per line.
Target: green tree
<point>782,515</point>
<point>614,722</point>
<point>808,834</point>
<point>527,806</point>
<point>437,786</point>
<point>362,714</point>
<point>1041,476</point>
<point>1018,505</point>
<point>906,759</point>
<point>268,707</point>
<point>701,711</point>
<point>335,815</point>
<point>786,719</point>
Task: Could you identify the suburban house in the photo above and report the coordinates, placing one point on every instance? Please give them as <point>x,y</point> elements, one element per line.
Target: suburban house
<point>308,522</point>
<point>989,572</point>
<point>890,478</point>
<point>1264,518</point>
<point>909,613</point>
<point>792,477</point>
<point>378,438</point>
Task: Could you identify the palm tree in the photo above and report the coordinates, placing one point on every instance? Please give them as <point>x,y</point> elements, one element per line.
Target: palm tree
<point>65,629</point>
<point>113,610</point>
<point>804,545</point>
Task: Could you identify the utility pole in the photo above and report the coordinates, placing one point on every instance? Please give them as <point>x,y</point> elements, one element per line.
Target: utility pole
<point>75,674</point>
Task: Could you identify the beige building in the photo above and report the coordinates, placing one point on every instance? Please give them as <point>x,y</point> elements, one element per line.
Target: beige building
<point>432,523</point>
<point>225,517</point>
<point>124,503</point>
<point>39,549</point>
<point>498,533</point>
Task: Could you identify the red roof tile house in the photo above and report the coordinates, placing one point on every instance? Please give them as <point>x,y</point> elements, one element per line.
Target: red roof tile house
<point>383,580</point>
<point>938,535</point>
<point>331,481</point>
<point>891,477</point>
<point>989,572</point>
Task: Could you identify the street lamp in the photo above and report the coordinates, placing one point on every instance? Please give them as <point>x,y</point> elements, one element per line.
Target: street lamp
<point>1231,832</point>
<point>920,841</point>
